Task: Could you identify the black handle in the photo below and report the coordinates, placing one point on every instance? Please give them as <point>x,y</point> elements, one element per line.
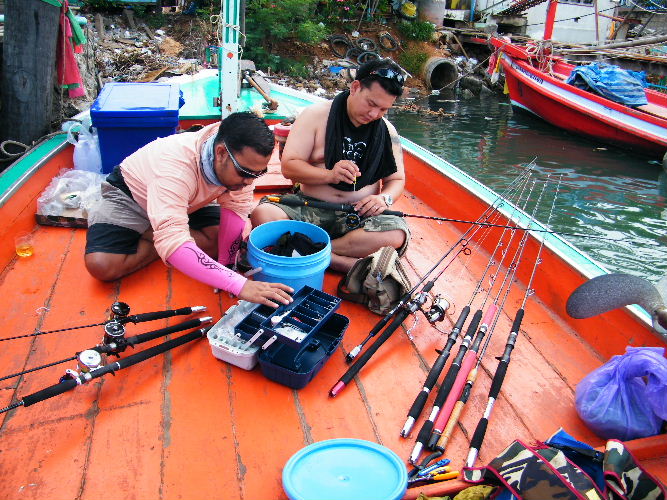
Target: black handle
<point>148,336</point>
<point>480,432</point>
<point>49,392</point>
<point>151,316</point>
<point>363,359</point>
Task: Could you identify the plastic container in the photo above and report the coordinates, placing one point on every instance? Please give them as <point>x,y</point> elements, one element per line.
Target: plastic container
<point>345,469</point>
<point>226,345</point>
<point>281,132</point>
<point>130,115</point>
<point>292,324</point>
<point>307,270</point>
<point>296,368</point>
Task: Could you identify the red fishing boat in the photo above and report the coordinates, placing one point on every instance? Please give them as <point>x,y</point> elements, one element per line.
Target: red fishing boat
<point>535,77</point>
<point>187,425</point>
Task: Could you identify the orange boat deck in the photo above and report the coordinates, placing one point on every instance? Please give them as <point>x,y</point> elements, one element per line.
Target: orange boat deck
<point>186,425</point>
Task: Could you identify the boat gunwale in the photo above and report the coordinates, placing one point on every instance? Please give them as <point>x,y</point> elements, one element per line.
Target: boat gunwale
<point>574,257</point>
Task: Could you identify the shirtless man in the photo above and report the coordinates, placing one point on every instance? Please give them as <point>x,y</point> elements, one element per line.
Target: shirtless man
<point>344,151</point>
<point>157,204</point>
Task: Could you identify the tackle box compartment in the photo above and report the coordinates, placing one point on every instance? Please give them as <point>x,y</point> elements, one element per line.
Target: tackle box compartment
<point>226,345</point>
<point>304,316</point>
<point>295,368</point>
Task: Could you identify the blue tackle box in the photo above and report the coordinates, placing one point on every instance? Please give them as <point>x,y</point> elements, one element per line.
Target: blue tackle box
<point>130,115</point>
<point>296,367</point>
<point>292,324</point>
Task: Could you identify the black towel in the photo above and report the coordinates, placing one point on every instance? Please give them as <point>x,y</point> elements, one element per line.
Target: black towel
<point>369,146</point>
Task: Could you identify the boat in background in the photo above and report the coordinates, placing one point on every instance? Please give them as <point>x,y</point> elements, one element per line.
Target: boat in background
<point>536,83</point>
<point>186,425</point>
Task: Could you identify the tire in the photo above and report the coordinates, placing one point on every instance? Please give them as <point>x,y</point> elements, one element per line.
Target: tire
<point>367,56</point>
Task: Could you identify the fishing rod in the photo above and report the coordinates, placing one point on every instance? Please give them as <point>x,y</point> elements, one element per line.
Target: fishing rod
<point>120,314</point>
<point>407,305</point>
<point>504,361</point>
<point>462,241</point>
<point>491,314</point>
<point>115,342</point>
<point>445,388</point>
<point>354,220</point>
<point>74,379</point>
<point>472,376</point>
<point>443,355</point>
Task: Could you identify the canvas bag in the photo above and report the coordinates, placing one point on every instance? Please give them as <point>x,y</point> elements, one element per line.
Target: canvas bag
<point>377,281</point>
<point>542,471</point>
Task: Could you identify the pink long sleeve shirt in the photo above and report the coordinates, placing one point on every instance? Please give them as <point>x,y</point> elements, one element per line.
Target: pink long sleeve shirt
<point>166,180</point>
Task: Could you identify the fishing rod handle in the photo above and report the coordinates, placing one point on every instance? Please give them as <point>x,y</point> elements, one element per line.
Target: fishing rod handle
<point>186,325</point>
<point>434,373</point>
<point>49,392</point>
<point>453,371</point>
<point>326,205</point>
<point>149,353</point>
<point>455,391</point>
<point>456,412</point>
<point>366,356</point>
<point>151,316</point>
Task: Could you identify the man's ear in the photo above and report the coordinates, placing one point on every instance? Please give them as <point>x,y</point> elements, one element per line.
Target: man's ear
<point>355,86</point>
<point>219,149</point>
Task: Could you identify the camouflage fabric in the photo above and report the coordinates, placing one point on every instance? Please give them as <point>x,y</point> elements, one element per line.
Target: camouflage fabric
<point>334,223</point>
<point>543,472</point>
<point>625,478</point>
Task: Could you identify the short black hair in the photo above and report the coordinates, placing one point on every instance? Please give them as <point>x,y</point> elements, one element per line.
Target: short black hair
<point>245,129</point>
<point>391,85</point>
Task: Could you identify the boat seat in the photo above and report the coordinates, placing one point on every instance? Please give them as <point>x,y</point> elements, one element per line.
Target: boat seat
<point>654,109</point>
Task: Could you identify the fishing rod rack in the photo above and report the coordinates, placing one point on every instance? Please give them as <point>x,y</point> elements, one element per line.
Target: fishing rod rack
<point>93,362</point>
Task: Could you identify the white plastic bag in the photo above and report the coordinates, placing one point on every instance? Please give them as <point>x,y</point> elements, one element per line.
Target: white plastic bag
<point>87,154</point>
<point>69,196</point>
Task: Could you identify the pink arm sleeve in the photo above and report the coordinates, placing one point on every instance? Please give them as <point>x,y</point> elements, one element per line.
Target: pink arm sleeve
<point>192,261</point>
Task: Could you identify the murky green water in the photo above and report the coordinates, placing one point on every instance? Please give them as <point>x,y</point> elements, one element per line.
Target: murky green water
<point>604,191</point>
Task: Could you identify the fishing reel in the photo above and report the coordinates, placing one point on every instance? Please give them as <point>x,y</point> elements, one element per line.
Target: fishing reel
<point>86,362</point>
<point>119,310</point>
<point>114,337</point>
<point>438,308</point>
<point>352,220</point>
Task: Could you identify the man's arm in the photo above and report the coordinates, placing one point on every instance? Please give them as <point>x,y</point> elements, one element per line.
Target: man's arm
<point>300,147</point>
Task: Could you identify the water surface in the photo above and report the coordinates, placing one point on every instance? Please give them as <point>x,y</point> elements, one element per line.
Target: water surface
<point>604,191</point>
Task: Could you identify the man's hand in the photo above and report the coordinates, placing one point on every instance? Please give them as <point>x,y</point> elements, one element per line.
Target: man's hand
<point>371,205</point>
<point>344,171</point>
<point>269,294</point>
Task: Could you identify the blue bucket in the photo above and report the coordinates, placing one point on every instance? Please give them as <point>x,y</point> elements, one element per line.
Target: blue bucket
<point>292,271</point>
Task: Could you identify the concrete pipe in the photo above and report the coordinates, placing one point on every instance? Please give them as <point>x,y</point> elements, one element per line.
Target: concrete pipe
<point>439,72</point>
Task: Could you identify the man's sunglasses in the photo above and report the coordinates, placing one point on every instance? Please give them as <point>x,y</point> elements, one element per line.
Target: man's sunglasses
<point>390,74</point>
<point>246,173</point>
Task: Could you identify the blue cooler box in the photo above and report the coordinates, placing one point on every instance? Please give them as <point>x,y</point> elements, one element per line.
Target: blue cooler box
<point>130,115</point>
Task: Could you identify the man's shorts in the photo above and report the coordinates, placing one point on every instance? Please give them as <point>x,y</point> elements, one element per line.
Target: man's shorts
<point>334,222</point>
<point>116,222</point>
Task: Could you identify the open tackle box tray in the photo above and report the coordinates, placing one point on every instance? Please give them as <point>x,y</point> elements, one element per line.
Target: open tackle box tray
<point>292,324</point>
<point>245,336</point>
<point>295,368</point>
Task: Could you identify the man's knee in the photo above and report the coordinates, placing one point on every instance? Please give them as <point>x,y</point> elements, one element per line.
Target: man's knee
<point>100,266</point>
<point>266,212</point>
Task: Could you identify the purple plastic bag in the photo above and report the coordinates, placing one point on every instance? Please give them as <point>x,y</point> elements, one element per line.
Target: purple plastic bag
<point>617,403</point>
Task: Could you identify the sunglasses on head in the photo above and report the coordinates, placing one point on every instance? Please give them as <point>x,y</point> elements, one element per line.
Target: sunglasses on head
<point>246,173</point>
<point>390,74</point>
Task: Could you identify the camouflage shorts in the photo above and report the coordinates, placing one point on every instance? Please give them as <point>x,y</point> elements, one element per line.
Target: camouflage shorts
<point>334,222</point>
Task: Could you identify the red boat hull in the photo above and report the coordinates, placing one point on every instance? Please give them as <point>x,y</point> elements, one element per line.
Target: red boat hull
<point>584,113</point>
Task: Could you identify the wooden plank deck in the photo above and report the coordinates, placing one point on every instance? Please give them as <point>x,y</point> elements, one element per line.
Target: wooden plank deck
<point>186,425</point>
